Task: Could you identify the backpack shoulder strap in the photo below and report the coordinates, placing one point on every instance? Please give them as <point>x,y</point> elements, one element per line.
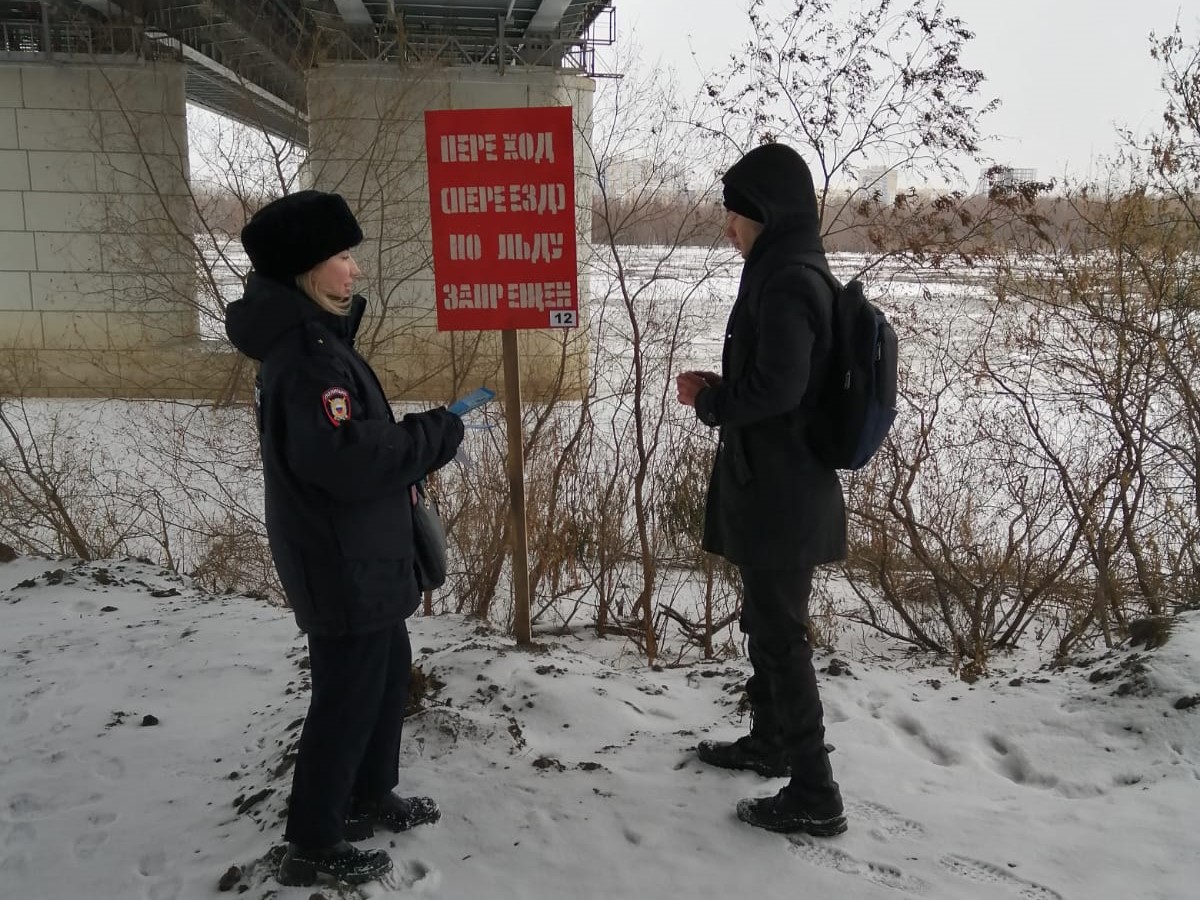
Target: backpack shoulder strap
<point>826,276</point>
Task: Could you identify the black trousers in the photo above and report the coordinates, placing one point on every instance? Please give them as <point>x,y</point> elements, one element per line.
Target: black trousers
<point>350,745</point>
<point>784,700</point>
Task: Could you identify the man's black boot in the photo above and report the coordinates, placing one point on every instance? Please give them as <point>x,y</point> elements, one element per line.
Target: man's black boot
<point>391,812</point>
<point>781,813</point>
<point>747,752</point>
<point>342,861</point>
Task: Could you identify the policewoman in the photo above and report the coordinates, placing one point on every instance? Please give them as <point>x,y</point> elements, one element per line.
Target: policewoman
<point>338,471</point>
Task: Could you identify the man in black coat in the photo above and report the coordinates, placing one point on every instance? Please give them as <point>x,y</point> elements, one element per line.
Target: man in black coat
<point>774,510</point>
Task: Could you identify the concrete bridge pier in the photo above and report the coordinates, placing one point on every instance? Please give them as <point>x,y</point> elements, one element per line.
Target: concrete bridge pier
<point>97,272</point>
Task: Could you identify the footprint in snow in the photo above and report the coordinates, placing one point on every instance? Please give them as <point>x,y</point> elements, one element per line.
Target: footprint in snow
<point>24,807</point>
<point>86,845</point>
<point>820,853</point>
<point>883,821</point>
<point>109,768</point>
<point>987,873</point>
<point>161,884</point>
<point>409,875</point>
<point>934,748</point>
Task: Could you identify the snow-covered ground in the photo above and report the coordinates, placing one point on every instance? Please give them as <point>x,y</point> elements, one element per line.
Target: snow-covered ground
<point>146,729</point>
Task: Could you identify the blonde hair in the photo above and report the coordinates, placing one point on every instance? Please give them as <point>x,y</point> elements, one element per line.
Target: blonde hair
<point>339,306</point>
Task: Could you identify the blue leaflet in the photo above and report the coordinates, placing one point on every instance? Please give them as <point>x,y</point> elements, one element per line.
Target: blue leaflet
<point>468,402</point>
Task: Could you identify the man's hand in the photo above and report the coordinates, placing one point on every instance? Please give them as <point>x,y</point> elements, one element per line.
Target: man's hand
<point>689,384</point>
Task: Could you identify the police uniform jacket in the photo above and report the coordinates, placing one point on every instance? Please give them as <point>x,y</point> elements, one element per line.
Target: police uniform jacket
<point>771,502</point>
<point>337,465</point>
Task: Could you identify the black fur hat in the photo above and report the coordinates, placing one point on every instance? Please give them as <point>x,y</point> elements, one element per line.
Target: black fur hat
<point>290,235</point>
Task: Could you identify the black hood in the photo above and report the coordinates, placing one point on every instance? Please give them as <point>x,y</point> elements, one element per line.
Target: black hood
<point>269,310</point>
<point>777,181</point>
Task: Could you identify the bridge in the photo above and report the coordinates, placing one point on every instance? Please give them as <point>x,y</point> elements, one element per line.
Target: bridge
<point>248,58</point>
<point>98,264</point>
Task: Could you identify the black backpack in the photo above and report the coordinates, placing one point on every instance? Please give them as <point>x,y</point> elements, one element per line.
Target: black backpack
<point>859,398</point>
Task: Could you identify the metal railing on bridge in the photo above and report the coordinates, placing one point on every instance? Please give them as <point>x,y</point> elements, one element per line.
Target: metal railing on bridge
<point>571,47</point>
<point>80,39</point>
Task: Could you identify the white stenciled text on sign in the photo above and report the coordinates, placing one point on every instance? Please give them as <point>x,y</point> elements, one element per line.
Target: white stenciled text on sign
<point>499,198</point>
<point>539,295</point>
<point>473,147</point>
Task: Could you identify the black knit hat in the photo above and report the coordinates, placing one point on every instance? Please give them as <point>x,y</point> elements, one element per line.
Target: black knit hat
<point>736,201</point>
<point>290,235</point>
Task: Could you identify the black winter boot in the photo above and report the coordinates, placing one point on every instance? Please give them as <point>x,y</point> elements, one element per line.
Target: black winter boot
<point>342,861</point>
<point>747,752</point>
<point>391,812</point>
<point>780,813</point>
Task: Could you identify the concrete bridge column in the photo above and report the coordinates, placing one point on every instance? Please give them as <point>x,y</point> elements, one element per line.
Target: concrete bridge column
<point>97,273</point>
<point>367,142</point>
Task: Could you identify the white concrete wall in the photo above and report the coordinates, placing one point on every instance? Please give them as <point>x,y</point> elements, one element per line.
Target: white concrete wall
<point>367,142</point>
<point>96,284</point>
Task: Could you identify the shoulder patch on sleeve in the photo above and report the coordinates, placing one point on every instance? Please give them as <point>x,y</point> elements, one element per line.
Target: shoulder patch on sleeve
<point>336,402</point>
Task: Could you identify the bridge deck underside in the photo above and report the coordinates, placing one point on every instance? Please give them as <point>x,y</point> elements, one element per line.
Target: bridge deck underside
<point>247,59</point>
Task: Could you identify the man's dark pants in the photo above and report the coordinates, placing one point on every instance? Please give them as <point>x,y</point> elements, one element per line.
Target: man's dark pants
<point>350,745</point>
<point>783,692</point>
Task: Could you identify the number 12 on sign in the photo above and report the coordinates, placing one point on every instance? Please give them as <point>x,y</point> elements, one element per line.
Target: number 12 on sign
<point>563,318</point>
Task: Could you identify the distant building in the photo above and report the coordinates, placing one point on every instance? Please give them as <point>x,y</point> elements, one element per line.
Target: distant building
<point>1004,177</point>
<point>879,182</point>
<point>620,176</point>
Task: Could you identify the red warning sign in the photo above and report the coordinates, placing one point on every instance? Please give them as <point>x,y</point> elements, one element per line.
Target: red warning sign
<point>502,211</point>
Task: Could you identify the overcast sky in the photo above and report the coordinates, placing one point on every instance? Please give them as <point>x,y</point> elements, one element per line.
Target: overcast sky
<point>1067,71</point>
